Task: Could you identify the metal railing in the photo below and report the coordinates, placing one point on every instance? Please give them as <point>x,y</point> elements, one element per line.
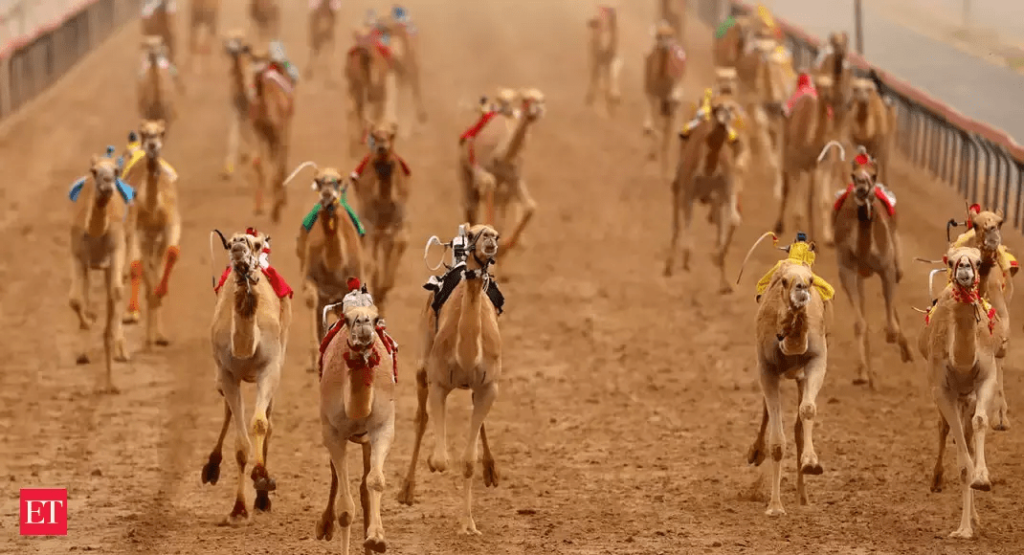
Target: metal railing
<point>30,64</point>
<point>983,163</point>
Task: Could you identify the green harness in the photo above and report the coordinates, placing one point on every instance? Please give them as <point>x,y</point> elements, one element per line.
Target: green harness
<point>310,219</point>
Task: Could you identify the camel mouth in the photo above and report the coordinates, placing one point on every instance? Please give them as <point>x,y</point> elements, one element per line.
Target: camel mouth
<point>799,297</point>
<point>489,249</point>
<point>965,276</point>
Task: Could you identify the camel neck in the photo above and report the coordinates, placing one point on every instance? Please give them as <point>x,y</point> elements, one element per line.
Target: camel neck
<point>244,329</point>
<point>518,138</point>
<point>963,351</point>
<point>97,222</point>
<point>793,330</point>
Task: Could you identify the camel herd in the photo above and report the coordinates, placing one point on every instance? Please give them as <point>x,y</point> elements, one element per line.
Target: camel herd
<point>797,125</point>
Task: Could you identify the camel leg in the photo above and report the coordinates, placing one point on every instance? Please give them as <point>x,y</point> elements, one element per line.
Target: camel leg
<point>756,452</point>
<point>113,337</point>
<point>262,502</point>
<point>262,158</point>
<point>652,108</point>
<point>234,131</point>
<point>687,209</point>
<point>527,206</point>
<point>132,312</point>
<point>820,201</point>
<point>937,473</point>
<point>278,172</point>
<point>674,241</point>
<point>233,397</point>
<point>413,77</point>
<point>337,447</point>
<point>786,190</point>
<point>798,434</point>
<point>814,374</point>
<point>897,250</point>
<point>893,331</point>
<point>491,475</point>
<point>406,494</point>
<point>325,526</point>
<point>470,195</point>
<point>979,425</point>
<point>776,437</point>
<point>727,222</point>
<point>853,285</point>
<point>595,77</point>
<point>211,470</point>
<point>437,395</point>
<point>266,386</point>
<point>614,93</point>
<point>149,270</point>
<point>947,403</point>
<point>483,399</point>
<point>172,235</point>
<point>378,446</point>
<point>78,299</point>
<point>387,271</point>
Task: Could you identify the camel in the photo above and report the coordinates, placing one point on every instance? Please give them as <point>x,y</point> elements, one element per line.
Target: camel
<point>605,62</point>
<point>240,124</point>
<point>158,20</point>
<point>996,272</point>
<point>491,161</point>
<point>794,320</point>
<point>202,28</point>
<point>357,404</point>
<point>958,343</point>
<point>323,15</point>
<point>673,12</point>
<point>731,39</point>
<point>99,241</point>
<point>394,42</point>
<point>462,350</point>
<point>265,19</point>
<point>805,134</point>
<point>867,242</point>
<point>329,247</point>
<point>156,76</point>
<point>833,60</point>
<point>271,110</point>
<point>871,123</point>
<point>708,172</point>
<point>154,244</point>
<point>382,182</point>
<point>249,336</point>
<point>366,72</point>
<point>664,67</point>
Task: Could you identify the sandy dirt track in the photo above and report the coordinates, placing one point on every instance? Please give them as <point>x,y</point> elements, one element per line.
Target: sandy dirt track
<point>628,400</point>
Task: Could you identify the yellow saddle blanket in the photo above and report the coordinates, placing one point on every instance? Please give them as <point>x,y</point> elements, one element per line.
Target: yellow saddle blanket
<point>801,253</point>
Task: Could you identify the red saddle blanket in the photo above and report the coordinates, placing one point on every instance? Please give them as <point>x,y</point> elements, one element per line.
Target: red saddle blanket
<point>880,193</point>
<point>804,86</point>
<point>281,287</point>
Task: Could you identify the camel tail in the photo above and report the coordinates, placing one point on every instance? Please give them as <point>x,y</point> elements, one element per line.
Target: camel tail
<point>298,169</point>
<point>830,144</point>
<point>764,236</point>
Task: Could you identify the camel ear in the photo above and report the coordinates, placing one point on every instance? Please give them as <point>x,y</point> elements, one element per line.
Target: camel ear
<point>393,129</point>
<point>999,214</point>
<point>162,125</point>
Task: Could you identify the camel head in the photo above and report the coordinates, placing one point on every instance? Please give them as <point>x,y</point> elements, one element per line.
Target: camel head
<point>664,35</point>
<point>381,138</point>
<point>362,326</point>
<point>244,250</point>
<point>105,173</point>
<point>532,104</point>
<point>505,102</point>
<point>864,174</point>
<point>726,80</point>
<point>721,113</point>
<point>331,185</point>
<point>153,48</point>
<point>235,45</point>
<point>863,91</point>
<point>987,228</point>
<point>840,43</point>
<point>826,88</point>
<point>483,240</point>
<point>797,281</point>
<point>151,136</point>
<point>963,263</point>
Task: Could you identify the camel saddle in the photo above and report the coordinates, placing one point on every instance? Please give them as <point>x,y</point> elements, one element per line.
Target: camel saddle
<point>443,287</point>
<point>881,193</point>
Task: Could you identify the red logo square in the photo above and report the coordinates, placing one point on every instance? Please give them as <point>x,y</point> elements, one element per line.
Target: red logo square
<point>44,512</point>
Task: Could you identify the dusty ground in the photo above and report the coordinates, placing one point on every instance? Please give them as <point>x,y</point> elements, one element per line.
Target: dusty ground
<point>628,402</point>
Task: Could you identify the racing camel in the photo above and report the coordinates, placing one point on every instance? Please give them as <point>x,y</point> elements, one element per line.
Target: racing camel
<point>663,77</point>
<point>357,404</point>
<point>871,124</point>
<point>996,271</point>
<point>462,350</point>
<point>154,243</point>
<point>99,241</point>
<point>154,83</point>
<point>605,63</point>
<point>265,17</point>
<point>271,110</point>
<point>673,12</point>
<point>708,172</point>
<point>329,248</point>
<point>868,243</point>
<point>240,126</point>
<point>491,161</point>
<point>366,71</point>
<point>158,20</point>
<point>249,335</point>
<point>794,323</point>
<point>958,343</point>
<point>323,15</point>
<point>202,32</point>
<point>382,181</point>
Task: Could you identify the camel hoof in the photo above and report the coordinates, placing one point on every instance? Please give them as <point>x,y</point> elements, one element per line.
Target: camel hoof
<point>325,527</point>
<point>262,503</point>
<point>130,317</point>
<point>162,341</point>
<point>667,272</point>
<point>725,289</point>
<point>406,495</point>
<point>778,228</point>
<point>491,475</point>
<point>264,484</point>
<point>211,470</point>
<point>437,465</point>
<point>962,533</point>
<point>981,484</point>
<point>468,527</point>
<point>376,544</point>
<point>1002,422</point>
<point>756,454</point>
<point>775,511</point>
<point>82,359</point>
<point>109,389</point>
<point>859,381</point>
<point>812,469</point>
<point>239,515</point>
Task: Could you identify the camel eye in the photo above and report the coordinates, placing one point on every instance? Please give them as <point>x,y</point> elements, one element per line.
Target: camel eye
<point>785,282</point>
